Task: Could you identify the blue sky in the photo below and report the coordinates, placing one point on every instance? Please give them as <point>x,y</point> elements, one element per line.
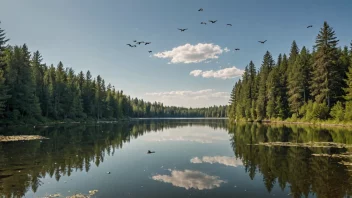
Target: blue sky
<point>92,35</point>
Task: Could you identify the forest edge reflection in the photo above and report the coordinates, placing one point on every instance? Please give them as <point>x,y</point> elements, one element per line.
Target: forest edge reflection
<point>72,148</point>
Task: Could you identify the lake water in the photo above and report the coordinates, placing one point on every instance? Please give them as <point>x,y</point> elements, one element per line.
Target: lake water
<point>193,158</point>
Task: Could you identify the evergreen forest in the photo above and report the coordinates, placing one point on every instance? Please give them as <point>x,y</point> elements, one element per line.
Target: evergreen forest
<point>32,91</point>
<point>304,85</point>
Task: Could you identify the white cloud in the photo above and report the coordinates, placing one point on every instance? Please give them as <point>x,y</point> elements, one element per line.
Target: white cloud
<point>190,179</point>
<point>227,161</point>
<point>192,53</point>
<point>196,72</point>
<point>226,73</point>
<point>226,49</point>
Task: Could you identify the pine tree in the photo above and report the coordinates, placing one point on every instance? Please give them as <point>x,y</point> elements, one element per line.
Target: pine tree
<point>98,100</point>
<point>298,81</point>
<point>232,102</point>
<point>246,98</point>
<point>262,100</point>
<point>282,107</point>
<point>60,93</point>
<point>19,79</point>
<point>38,77</point>
<point>348,89</point>
<point>3,87</point>
<point>273,86</point>
<point>294,52</point>
<point>253,89</point>
<point>3,45</point>
<point>326,79</point>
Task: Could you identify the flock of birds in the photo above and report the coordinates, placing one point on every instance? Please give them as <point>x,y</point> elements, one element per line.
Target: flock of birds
<point>184,29</point>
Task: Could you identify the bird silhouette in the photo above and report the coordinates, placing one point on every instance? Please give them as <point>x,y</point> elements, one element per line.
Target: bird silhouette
<point>262,42</point>
<point>211,21</point>
<point>237,49</point>
<point>200,10</point>
<point>140,42</point>
<point>182,30</point>
<point>150,51</point>
<point>149,152</point>
<point>147,43</point>
<point>309,26</point>
<point>129,45</point>
<point>229,24</point>
<point>204,23</point>
<point>135,41</point>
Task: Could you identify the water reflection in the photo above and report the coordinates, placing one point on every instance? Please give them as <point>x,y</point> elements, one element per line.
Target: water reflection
<point>224,160</point>
<point>194,134</point>
<point>70,148</point>
<point>299,170</point>
<point>294,167</point>
<point>190,179</point>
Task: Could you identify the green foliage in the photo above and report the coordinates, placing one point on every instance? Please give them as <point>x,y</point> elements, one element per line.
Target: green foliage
<point>348,111</point>
<point>3,87</point>
<point>348,89</point>
<point>337,112</point>
<point>326,80</point>
<point>31,91</point>
<point>262,100</point>
<point>298,81</point>
<point>303,86</point>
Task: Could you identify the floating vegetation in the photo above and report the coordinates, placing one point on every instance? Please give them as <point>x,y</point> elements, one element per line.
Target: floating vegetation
<point>53,195</point>
<point>307,144</point>
<point>341,155</point>
<point>92,192</point>
<point>80,195</point>
<point>21,138</point>
<point>346,163</point>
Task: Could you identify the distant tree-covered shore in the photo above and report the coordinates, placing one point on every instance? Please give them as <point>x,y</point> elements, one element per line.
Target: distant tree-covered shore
<point>32,91</point>
<point>301,86</point>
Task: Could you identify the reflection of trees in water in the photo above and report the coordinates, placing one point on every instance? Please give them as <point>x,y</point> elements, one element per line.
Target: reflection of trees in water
<point>70,148</point>
<point>294,167</point>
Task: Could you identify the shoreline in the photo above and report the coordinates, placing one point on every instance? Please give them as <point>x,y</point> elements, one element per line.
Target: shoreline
<point>316,124</point>
<point>58,122</point>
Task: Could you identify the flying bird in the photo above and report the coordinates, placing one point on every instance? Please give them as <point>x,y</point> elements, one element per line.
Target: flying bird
<point>129,45</point>
<point>213,21</point>
<point>237,49</point>
<point>135,41</point>
<point>150,51</point>
<point>200,10</point>
<point>204,23</point>
<point>147,43</point>
<point>182,30</point>
<point>229,24</point>
<point>262,42</point>
<point>140,42</point>
<point>309,26</point>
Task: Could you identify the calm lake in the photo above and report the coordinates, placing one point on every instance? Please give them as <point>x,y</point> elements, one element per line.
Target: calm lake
<point>193,158</point>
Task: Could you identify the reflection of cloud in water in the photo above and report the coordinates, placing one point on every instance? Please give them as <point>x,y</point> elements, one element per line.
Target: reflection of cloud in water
<point>227,161</point>
<point>190,134</point>
<point>190,179</point>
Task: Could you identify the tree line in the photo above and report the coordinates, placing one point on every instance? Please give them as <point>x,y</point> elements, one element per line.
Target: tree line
<point>303,85</point>
<point>32,91</point>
